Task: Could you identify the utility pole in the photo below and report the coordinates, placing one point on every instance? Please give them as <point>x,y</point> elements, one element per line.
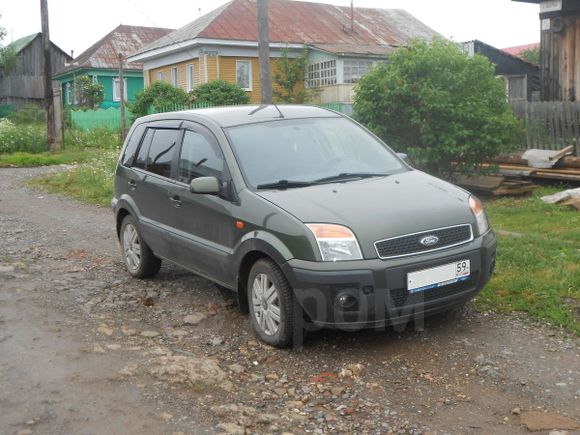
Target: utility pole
<point>48,102</point>
<point>264,49</point>
<point>122,98</point>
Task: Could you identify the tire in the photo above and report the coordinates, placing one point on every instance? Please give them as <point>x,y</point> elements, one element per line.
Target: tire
<point>270,293</point>
<point>138,257</point>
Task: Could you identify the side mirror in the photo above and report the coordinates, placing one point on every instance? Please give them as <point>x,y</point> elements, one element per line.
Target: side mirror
<point>404,157</point>
<point>205,185</point>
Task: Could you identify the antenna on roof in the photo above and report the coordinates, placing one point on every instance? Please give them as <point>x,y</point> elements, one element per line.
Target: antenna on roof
<point>263,106</point>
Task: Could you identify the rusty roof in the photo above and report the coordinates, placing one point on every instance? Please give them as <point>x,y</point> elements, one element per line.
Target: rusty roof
<point>123,39</point>
<point>303,23</point>
<point>518,50</point>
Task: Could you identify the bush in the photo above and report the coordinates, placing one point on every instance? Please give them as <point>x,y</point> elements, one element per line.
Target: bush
<point>28,114</point>
<point>21,138</point>
<point>90,94</point>
<point>101,138</point>
<point>289,79</point>
<point>447,111</point>
<point>158,95</point>
<point>220,93</point>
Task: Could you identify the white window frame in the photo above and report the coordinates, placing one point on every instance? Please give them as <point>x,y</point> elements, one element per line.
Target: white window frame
<point>116,84</point>
<point>68,93</point>
<point>323,73</point>
<point>95,79</point>
<point>189,77</point>
<point>175,77</point>
<point>249,62</point>
<point>356,68</point>
<point>160,76</point>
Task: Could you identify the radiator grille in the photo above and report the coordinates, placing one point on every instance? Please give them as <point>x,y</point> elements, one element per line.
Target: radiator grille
<point>411,244</point>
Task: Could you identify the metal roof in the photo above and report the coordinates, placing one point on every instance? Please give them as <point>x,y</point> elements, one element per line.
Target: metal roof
<point>518,50</point>
<point>123,39</point>
<point>304,23</point>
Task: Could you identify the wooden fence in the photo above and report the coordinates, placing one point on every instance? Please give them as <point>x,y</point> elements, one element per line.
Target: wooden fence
<point>550,125</point>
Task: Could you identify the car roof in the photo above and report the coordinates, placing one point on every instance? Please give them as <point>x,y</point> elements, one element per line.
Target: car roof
<point>229,116</point>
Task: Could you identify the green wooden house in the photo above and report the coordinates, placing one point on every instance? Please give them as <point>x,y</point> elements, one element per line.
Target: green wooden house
<point>101,63</point>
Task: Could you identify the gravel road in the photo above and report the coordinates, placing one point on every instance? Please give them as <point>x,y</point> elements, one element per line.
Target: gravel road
<point>84,348</point>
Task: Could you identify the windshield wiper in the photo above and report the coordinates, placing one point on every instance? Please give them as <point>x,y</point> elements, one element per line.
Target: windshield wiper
<point>284,184</point>
<point>349,176</point>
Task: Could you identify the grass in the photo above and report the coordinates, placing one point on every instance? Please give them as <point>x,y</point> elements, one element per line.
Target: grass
<point>66,156</point>
<point>90,182</point>
<point>538,261</point>
<point>24,145</point>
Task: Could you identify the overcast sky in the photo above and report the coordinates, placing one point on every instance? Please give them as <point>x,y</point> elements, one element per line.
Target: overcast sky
<point>77,24</point>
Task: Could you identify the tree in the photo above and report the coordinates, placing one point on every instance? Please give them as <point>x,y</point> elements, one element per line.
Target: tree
<point>447,111</point>
<point>220,93</point>
<point>158,95</point>
<point>90,94</point>
<point>289,78</point>
<point>531,55</point>
<point>7,54</point>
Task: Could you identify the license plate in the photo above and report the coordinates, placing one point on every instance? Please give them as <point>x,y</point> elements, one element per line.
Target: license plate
<point>439,276</point>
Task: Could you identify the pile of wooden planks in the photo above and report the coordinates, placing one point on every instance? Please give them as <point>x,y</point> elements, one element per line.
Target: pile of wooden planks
<point>495,185</point>
<point>562,167</point>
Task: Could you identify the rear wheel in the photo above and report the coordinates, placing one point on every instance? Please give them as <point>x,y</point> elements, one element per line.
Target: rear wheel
<point>271,301</point>
<point>139,259</point>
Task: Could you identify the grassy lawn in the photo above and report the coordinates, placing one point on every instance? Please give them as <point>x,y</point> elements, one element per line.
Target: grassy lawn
<point>26,160</point>
<point>91,182</point>
<point>538,263</point>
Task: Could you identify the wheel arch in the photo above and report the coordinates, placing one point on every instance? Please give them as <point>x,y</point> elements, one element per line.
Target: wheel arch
<point>247,255</point>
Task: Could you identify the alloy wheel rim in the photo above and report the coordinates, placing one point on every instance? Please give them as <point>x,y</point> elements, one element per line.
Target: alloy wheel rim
<point>132,247</point>
<point>266,304</point>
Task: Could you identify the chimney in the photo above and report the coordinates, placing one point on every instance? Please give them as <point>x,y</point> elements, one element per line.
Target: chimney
<point>352,15</point>
<point>72,54</point>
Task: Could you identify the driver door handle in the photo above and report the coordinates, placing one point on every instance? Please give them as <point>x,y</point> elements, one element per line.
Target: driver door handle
<point>132,184</point>
<point>176,201</point>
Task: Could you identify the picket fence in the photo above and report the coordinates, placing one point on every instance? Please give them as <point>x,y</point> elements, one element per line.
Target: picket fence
<point>550,125</point>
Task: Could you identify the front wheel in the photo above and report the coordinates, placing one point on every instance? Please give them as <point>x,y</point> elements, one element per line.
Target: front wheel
<point>139,258</point>
<point>271,301</point>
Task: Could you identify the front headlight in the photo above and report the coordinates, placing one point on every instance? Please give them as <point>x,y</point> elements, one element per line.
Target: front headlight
<point>480,217</point>
<point>336,243</point>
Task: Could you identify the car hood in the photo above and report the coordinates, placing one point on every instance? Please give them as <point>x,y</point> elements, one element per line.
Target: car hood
<point>378,208</point>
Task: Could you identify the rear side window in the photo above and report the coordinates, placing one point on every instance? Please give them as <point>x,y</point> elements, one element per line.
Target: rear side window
<point>132,145</point>
<point>199,157</point>
<point>157,151</point>
<point>141,159</point>
<point>161,152</point>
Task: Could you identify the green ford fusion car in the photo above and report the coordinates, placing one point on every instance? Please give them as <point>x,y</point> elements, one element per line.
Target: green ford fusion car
<point>304,213</point>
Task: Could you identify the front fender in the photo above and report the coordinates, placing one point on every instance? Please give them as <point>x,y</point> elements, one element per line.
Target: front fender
<point>261,241</point>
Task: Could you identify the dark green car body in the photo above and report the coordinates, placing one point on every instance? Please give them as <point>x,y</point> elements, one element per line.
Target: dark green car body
<point>221,235</point>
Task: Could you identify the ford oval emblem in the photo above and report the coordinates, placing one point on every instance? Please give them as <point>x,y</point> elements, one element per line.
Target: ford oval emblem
<point>429,241</point>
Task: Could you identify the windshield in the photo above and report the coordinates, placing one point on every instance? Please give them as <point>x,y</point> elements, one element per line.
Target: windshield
<point>308,151</point>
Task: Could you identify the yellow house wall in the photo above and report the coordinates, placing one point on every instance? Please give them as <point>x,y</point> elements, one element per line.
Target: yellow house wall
<point>208,68</point>
<point>181,73</point>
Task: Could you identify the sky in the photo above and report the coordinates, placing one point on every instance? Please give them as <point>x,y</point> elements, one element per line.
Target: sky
<point>77,24</point>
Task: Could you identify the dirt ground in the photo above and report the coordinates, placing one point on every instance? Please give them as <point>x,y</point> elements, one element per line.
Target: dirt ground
<point>86,349</point>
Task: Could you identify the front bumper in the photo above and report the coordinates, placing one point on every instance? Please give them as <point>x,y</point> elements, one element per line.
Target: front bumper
<point>376,290</point>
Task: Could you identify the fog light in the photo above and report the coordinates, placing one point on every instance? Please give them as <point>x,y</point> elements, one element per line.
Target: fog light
<point>346,301</point>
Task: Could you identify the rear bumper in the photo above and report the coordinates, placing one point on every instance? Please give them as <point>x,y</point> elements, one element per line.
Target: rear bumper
<point>376,290</point>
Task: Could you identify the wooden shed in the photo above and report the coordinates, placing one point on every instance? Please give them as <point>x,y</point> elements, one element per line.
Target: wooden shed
<point>559,49</point>
<point>522,78</point>
<point>24,83</point>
